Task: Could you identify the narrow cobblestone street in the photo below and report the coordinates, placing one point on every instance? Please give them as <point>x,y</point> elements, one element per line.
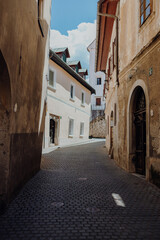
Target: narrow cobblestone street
<point>71,198</point>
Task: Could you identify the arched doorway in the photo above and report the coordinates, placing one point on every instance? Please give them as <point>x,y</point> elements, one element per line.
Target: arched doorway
<point>5,109</point>
<point>139,130</point>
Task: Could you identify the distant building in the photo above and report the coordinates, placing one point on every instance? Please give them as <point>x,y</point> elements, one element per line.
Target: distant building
<point>75,65</point>
<point>97,81</point>
<point>68,103</point>
<point>24,49</point>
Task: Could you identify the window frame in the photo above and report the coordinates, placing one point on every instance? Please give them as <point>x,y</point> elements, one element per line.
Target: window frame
<point>51,69</point>
<point>143,13</point>
<point>83,98</point>
<point>71,134</point>
<point>81,133</point>
<point>100,101</point>
<point>99,78</point>
<point>72,98</point>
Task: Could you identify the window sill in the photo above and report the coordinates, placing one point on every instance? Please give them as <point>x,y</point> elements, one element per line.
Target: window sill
<point>70,136</point>
<point>72,99</point>
<point>82,105</point>
<point>52,88</point>
<point>81,136</point>
<point>146,22</point>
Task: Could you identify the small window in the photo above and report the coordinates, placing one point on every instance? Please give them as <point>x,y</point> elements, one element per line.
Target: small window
<point>98,101</point>
<point>82,129</point>
<point>71,126</point>
<point>145,10</point>
<point>83,98</point>
<point>52,80</point>
<point>98,81</point>
<point>72,92</point>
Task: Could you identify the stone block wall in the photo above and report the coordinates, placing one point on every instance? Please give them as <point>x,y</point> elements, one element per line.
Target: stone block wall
<point>98,127</point>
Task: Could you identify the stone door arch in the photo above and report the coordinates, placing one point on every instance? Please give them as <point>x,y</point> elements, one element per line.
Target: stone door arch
<point>5,109</point>
<point>137,131</point>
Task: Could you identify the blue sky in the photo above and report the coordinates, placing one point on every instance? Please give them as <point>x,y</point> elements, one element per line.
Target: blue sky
<point>73,25</point>
<point>68,14</point>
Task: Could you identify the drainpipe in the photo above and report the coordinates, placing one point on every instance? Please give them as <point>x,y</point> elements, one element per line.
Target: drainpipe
<point>117,41</point>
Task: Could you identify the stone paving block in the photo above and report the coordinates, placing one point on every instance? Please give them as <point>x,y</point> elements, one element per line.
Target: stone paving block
<point>38,213</point>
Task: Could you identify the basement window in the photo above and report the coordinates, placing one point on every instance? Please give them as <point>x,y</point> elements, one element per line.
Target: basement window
<point>145,10</point>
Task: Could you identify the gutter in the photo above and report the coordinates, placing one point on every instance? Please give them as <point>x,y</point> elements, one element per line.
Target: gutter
<point>62,64</point>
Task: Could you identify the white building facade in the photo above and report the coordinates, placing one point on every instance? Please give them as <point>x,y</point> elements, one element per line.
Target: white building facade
<point>96,80</point>
<point>68,105</point>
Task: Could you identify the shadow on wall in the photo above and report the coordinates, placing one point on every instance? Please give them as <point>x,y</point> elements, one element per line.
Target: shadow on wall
<point>5,111</point>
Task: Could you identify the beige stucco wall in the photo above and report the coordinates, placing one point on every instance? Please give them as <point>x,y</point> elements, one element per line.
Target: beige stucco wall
<point>139,51</point>
<point>24,65</point>
<point>60,104</point>
<point>134,37</point>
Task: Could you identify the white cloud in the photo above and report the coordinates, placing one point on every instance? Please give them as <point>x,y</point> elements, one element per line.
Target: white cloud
<point>77,41</point>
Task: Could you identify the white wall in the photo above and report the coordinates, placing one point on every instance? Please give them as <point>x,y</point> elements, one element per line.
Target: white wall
<point>59,104</point>
<point>47,18</point>
<point>93,79</point>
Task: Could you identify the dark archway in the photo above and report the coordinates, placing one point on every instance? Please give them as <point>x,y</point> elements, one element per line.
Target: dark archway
<point>5,109</point>
<point>139,130</point>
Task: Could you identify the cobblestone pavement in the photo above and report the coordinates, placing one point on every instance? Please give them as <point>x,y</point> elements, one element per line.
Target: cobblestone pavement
<point>71,199</point>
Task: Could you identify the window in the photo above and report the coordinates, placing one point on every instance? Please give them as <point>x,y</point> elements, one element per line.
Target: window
<point>98,81</point>
<point>72,92</point>
<point>81,129</point>
<point>52,79</point>
<point>83,98</point>
<point>71,126</point>
<point>145,10</point>
<point>98,101</point>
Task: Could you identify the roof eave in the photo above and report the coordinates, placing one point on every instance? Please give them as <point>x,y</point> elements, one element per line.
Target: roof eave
<point>54,57</point>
